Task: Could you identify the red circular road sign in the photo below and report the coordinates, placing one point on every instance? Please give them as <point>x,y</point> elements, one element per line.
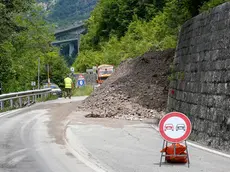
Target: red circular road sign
<point>80,76</point>
<point>175,127</point>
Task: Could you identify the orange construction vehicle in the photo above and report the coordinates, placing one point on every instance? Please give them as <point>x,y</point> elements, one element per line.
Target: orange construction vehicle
<point>103,72</point>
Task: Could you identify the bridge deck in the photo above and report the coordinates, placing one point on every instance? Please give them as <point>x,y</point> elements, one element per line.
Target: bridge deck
<point>68,29</point>
<point>64,41</point>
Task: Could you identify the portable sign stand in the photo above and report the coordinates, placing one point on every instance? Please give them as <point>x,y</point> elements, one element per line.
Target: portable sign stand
<point>175,127</point>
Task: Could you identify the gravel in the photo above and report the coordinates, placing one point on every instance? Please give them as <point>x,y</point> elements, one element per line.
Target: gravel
<point>138,89</point>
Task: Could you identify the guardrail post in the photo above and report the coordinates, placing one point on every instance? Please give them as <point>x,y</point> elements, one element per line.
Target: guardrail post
<point>2,105</point>
<point>33,98</point>
<point>22,97</point>
<point>42,96</point>
<point>28,100</point>
<point>11,103</point>
<point>20,101</point>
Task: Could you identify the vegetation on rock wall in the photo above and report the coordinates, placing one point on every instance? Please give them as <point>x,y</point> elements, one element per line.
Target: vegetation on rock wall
<point>212,3</point>
<point>119,29</point>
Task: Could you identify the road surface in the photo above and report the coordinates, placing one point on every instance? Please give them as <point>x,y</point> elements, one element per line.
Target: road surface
<point>34,139</point>
<point>132,147</point>
<point>28,142</point>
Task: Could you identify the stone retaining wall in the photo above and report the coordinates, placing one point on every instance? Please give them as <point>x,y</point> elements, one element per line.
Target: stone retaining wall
<point>201,85</point>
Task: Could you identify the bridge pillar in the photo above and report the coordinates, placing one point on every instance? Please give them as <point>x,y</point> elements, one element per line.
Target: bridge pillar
<point>71,48</point>
<point>78,43</point>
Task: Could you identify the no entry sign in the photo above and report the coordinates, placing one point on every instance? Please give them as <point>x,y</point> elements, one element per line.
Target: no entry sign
<point>175,127</point>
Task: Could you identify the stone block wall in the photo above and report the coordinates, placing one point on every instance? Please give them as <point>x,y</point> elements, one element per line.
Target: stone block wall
<point>201,85</point>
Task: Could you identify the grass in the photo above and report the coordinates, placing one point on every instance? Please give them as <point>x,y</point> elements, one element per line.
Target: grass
<point>49,97</point>
<point>83,91</point>
<point>7,109</point>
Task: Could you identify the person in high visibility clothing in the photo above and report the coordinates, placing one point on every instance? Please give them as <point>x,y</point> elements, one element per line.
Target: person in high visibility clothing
<point>68,86</point>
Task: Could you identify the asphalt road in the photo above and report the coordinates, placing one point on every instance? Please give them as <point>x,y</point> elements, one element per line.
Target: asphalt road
<point>26,144</point>
<point>119,146</point>
<point>34,140</point>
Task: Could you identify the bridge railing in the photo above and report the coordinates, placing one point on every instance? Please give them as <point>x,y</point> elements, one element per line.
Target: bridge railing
<point>20,99</point>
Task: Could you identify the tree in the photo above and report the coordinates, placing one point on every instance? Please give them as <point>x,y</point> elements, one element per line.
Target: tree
<point>8,26</point>
<point>57,68</point>
<point>112,17</point>
<point>22,49</point>
<point>8,10</point>
<point>119,29</point>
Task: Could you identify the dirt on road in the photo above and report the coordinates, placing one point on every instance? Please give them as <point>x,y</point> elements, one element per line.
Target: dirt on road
<point>137,89</point>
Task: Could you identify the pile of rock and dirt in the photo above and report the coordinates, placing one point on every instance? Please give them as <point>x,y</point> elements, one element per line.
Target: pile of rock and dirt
<point>137,89</point>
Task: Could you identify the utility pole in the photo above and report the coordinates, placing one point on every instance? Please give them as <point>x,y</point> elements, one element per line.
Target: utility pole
<point>38,72</point>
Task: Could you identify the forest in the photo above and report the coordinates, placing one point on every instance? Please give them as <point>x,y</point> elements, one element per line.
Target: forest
<point>25,39</point>
<point>119,29</point>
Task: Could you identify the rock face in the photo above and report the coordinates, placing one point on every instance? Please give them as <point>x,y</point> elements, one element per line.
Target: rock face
<point>202,89</point>
<point>137,89</point>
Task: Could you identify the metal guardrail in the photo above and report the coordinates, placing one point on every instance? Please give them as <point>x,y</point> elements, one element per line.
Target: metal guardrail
<point>22,97</point>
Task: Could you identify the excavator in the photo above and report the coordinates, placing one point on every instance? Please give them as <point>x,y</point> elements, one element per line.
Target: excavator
<point>103,72</point>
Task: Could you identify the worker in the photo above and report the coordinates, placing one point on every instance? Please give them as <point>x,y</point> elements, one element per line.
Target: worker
<point>68,86</point>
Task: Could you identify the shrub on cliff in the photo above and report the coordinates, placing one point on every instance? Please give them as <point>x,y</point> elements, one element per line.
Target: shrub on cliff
<point>118,30</point>
<point>157,32</point>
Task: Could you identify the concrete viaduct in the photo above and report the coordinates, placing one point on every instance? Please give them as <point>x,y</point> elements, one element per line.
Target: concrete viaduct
<point>70,39</point>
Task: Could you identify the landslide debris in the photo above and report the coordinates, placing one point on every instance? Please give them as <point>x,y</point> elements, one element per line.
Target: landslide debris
<point>137,89</point>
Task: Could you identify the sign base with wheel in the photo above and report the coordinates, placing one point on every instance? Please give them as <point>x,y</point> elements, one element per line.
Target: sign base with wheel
<point>175,128</point>
<point>182,157</point>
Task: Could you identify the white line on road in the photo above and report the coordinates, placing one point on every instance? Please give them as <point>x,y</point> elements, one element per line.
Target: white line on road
<point>9,113</point>
<point>13,158</point>
<point>13,162</point>
<point>200,147</point>
<point>15,153</point>
<point>80,152</point>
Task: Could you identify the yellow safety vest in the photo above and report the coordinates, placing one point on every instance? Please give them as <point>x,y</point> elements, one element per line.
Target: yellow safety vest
<point>68,82</point>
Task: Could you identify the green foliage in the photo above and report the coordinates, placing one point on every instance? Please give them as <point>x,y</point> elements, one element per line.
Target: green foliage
<point>83,91</point>
<point>119,29</point>
<point>112,17</point>
<point>156,32</point>
<point>57,68</point>
<point>212,3</point>
<point>49,97</point>
<point>87,59</point>
<point>20,52</point>
<point>8,26</point>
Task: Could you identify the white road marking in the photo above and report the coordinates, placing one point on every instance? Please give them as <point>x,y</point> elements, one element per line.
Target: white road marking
<point>9,113</point>
<point>15,153</point>
<point>201,147</point>
<point>13,162</point>
<point>13,158</point>
<point>82,153</point>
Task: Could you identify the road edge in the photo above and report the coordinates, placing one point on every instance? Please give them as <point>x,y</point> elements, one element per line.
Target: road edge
<point>82,153</point>
<point>200,147</point>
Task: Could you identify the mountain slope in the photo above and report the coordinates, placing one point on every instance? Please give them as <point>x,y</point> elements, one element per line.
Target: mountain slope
<point>67,12</point>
